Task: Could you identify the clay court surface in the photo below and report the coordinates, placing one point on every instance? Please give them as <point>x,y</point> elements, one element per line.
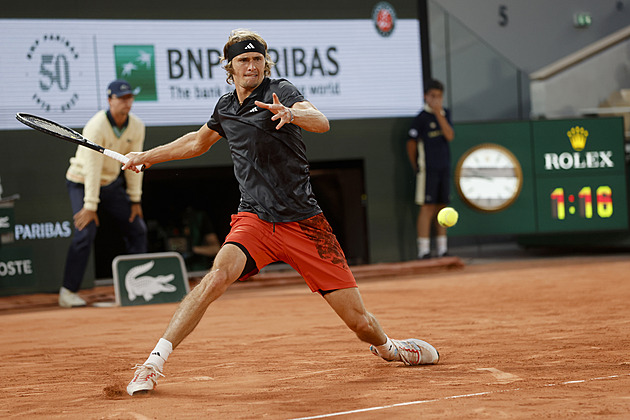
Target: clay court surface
<point>536,338</point>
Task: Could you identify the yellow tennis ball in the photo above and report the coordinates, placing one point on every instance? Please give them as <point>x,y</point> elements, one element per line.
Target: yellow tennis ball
<point>448,216</point>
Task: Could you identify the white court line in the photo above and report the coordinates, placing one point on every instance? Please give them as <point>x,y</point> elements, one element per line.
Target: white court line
<point>451,397</point>
<point>309,374</point>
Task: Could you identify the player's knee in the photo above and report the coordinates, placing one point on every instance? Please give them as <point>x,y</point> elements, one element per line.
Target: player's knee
<point>216,280</point>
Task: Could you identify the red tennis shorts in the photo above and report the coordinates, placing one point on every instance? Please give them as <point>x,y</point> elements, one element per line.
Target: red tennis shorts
<point>309,246</point>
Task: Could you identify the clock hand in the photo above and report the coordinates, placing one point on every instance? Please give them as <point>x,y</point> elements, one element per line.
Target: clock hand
<point>477,174</point>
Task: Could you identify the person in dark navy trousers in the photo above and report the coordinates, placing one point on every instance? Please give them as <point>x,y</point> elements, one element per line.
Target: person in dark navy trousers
<point>95,182</point>
<point>428,147</point>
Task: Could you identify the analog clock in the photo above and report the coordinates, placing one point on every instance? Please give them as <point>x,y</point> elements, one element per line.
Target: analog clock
<point>488,177</point>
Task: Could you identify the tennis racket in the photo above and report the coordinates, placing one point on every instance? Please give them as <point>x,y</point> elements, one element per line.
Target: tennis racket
<point>68,134</point>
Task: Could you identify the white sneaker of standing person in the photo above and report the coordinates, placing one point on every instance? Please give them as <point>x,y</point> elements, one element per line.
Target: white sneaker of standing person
<point>68,299</point>
<point>410,351</point>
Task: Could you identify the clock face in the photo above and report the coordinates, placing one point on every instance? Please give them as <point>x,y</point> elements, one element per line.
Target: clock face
<point>488,177</point>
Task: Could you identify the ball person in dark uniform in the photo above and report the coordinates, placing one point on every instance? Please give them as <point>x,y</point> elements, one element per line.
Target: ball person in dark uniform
<point>278,217</point>
<point>429,153</point>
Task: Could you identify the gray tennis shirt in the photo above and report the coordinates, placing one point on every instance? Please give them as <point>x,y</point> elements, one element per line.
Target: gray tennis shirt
<point>270,165</point>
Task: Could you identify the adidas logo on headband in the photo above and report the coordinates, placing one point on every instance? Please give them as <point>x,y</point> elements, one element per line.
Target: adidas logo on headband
<point>241,47</point>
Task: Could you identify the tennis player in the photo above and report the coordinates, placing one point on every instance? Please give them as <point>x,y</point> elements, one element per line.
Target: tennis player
<point>278,217</point>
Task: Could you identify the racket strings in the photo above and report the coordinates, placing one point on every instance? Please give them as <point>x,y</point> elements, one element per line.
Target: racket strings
<point>50,126</point>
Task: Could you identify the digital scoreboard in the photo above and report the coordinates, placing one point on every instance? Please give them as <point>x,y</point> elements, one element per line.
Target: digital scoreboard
<point>580,175</point>
<point>540,177</point>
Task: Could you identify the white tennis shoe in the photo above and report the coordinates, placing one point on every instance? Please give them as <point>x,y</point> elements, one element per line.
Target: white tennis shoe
<point>145,379</point>
<point>68,299</point>
<point>411,352</point>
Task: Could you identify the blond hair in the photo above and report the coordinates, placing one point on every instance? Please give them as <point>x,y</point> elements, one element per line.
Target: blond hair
<point>238,35</point>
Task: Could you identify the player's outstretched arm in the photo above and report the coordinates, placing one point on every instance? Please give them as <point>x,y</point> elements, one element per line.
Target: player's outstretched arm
<point>187,146</point>
<point>303,114</point>
<point>309,118</point>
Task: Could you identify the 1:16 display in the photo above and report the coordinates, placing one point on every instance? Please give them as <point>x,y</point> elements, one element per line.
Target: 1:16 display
<point>603,199</point>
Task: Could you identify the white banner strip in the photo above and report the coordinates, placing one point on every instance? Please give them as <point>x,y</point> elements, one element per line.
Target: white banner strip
<point>60,69</point>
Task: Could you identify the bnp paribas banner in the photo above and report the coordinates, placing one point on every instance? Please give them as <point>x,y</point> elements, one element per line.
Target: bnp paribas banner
<point>60,69</point>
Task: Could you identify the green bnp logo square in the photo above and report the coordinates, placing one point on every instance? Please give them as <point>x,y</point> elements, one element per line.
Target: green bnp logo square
<point>136,64</point>
<point>142,279</point>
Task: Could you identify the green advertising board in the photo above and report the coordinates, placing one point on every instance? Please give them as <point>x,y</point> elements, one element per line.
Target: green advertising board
<point>580,175</point>
<point>18,271</point>
<point>486,138</point>
<point>540,177</point>
<point>142,279</point>
<point>7,219</point>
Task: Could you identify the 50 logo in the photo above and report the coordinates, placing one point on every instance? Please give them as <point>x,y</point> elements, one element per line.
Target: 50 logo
<point>53,56</point>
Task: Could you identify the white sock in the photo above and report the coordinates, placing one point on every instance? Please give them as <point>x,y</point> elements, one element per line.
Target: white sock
<point>160,354</point>
<point>441,243</point>
<point>424,246</point>
<point>386,351</point>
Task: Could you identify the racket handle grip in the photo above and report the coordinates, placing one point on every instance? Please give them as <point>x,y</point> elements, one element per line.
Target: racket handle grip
<point>120,158</point>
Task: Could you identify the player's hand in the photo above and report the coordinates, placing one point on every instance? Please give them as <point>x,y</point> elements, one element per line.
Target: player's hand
<point>84,217</point>
<point>136,211</point>
<point>281,112</point>
<point>136,161</point>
